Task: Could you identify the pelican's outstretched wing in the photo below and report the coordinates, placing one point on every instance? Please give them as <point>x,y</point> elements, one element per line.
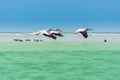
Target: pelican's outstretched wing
<point>85,35</point>
<point>83,31</point>
<point>51,33</point>
<point>55,32</point>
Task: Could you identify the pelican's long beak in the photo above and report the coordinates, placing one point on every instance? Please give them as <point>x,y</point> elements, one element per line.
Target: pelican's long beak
<point>90,29</point>
<point>59,30</point>
<point>37,33</point>
<point>75,32</point>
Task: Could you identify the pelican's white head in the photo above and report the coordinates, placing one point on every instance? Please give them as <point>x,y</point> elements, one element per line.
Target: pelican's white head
<point>76,32</point>
<point>38,33</point>
<point>79,30</point>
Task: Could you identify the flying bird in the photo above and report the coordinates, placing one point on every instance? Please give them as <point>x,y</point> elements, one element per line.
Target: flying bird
<point>51,33</point>
<point>55,32</point>
<point>45,33</point>
<point>83,31</point>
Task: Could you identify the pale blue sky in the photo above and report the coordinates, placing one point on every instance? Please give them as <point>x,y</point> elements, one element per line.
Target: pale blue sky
<point>33,15</point>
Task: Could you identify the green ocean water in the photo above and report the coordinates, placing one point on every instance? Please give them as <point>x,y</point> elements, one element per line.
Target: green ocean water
<point>59,61</point>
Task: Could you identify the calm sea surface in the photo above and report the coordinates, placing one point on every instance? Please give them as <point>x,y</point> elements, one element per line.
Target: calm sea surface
<point>59,61</point>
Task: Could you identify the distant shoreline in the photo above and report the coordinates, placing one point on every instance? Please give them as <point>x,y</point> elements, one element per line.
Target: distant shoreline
<point>65,33</point>
<point>68,37</point>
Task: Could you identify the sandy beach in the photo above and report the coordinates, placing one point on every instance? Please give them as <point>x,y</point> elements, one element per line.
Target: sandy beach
<point>66,38</point>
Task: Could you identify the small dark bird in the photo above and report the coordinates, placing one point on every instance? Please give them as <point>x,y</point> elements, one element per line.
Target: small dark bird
<point>105,40</point>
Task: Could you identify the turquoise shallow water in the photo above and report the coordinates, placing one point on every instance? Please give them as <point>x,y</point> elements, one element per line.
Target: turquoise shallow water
<point>59,61</point>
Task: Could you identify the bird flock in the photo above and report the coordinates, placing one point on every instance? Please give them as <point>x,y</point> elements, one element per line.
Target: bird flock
<point>54,33</point>
<point>51,33</point>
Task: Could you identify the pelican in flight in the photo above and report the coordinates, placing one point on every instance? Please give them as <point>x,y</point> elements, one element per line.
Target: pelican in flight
<point>51,33</point>
<point>55,32</point>
<point>83,31</point>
